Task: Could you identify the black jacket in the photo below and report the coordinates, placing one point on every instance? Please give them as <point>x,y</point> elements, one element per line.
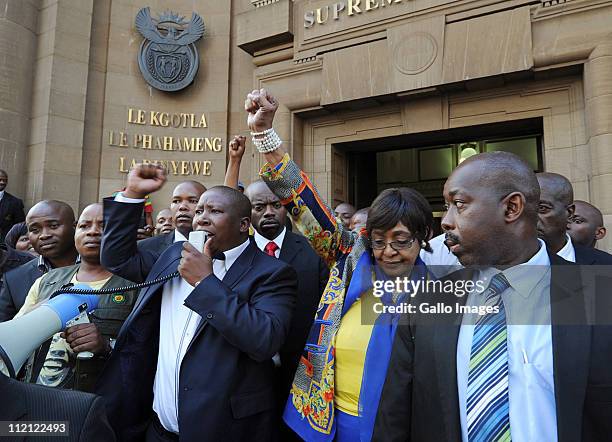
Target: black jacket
<point>591,256</point>
<point>157,244</point>
<point>227,375</point>
<point>11,213</point>
<point>11,259</point>
<point>16,286</point>
<point>84,412</point>
<point>420,399</point>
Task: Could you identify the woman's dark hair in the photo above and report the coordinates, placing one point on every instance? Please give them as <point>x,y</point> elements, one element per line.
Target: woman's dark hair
<point>16,232</point>
<point>402,205</point>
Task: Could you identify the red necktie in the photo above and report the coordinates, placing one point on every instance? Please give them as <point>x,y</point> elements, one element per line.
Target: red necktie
<point>270,248</point>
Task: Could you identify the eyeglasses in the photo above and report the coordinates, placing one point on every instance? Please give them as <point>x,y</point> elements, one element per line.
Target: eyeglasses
<point>399,245</point>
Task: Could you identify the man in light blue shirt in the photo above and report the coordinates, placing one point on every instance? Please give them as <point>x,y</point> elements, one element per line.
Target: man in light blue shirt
<point>515,358</point>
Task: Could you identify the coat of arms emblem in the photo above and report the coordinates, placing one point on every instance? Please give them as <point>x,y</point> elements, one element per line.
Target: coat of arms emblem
<point>168,58</point>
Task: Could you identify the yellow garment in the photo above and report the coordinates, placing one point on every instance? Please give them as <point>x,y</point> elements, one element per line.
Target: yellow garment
<point>32,300</point>
<point>352,342</point>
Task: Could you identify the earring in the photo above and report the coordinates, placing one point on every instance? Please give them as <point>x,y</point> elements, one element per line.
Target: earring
<point>423,244</point>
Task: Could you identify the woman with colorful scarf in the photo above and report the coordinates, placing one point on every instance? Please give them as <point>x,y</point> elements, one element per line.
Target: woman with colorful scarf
<point>338,383</point>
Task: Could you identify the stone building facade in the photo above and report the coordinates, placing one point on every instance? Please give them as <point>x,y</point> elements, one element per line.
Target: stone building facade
<point>374,93</point>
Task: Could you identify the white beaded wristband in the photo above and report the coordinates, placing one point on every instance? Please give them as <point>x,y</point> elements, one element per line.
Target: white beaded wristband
<point>265,132</point>
<point>269,143</point>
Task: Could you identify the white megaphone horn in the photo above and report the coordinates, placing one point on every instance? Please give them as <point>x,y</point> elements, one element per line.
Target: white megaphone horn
<point>22,336</point>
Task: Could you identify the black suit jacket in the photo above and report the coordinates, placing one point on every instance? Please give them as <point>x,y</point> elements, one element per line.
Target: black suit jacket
<point>157,244</point>
<point>312,275</point>
<point>420,399</point>
<point>590,256</point>
<point>11,259</point>
<point>11,213</point>
<point>84,412</point>
<point>15,288</point>
<point>226,378</point>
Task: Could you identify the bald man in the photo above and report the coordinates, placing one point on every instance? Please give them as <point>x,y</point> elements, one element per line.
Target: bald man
<point>586,226</point>
<point>268,218</point>
<point>164,222</point>
<point>184,199</point>
<point>195,357</point>
<point>555,211</point>
<point>56,364</point>
<point>515,372</point>
<point>51,227</point>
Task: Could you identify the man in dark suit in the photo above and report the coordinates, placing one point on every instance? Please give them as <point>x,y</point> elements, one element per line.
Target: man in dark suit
<point>195,355</point>
<point>587,225</point>
<point>11,259</point>
<point>268,217</point>
<point>51,227</point>
<point>531,368</point>
<point>185,197</point>
<point>555,213</point>
<point>11,208</point>
<point>84,412</point>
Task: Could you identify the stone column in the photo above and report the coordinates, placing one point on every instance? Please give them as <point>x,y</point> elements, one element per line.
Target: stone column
<point>58,102</point>
<point>18,20</point>
<point>598,111</point>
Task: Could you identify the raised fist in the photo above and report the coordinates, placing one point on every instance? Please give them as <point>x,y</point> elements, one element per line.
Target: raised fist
<point>236,147</point>
<point>261,107</point>
<point>143,180</point>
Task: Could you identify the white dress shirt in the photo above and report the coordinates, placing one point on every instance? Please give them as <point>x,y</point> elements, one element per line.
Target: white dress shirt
<point>1,194</point>
<point>177,325</point>
<point>531,386</point>
<point>262,241</point>
<point>567,252</point>
<point>440,262</point>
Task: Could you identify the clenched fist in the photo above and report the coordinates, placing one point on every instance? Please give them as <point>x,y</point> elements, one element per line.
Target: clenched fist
<point>143,180</point>
<point>236,147</point>
<point>261,107</point>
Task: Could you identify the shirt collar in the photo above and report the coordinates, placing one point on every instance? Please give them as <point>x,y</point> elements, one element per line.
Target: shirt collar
<point>1,194</point>
<point>232,255</point>
<point>178,236</point>
<point>44,265</point>
<point>262,241</point>
<point>524,277</point>
<point>567,252</point>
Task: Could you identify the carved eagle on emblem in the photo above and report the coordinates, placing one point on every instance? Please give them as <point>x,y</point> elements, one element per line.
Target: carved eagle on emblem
<point>168,58</point>
<point>174,35</point>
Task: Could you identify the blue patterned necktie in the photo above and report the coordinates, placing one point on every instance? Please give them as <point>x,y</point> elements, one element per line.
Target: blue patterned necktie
<point>488,410</point>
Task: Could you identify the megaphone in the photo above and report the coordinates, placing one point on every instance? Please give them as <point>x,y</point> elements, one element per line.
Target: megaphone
<point>22,336</point>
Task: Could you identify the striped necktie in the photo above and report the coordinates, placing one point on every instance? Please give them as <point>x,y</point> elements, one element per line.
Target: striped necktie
<point>488,410</point>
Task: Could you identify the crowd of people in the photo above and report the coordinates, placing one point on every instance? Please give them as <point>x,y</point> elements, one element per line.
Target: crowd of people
<point>268,334</point>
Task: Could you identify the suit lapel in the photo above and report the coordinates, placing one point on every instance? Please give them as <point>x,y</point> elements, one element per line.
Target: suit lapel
<point>168,263</point>
<point>290,248</point>
<point>237,271</point>
<point>445,336</point>
<point>241,266</point>
<point>169,239</point>
<point>571,338</point>
<point>583,255</point>
<point>3,206</point>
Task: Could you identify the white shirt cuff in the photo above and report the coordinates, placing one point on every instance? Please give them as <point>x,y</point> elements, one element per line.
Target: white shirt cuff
<point>123,199</point>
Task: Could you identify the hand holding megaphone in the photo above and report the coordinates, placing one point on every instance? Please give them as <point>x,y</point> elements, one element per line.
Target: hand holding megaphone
<point>86,338</point>
<point>21,336</point>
